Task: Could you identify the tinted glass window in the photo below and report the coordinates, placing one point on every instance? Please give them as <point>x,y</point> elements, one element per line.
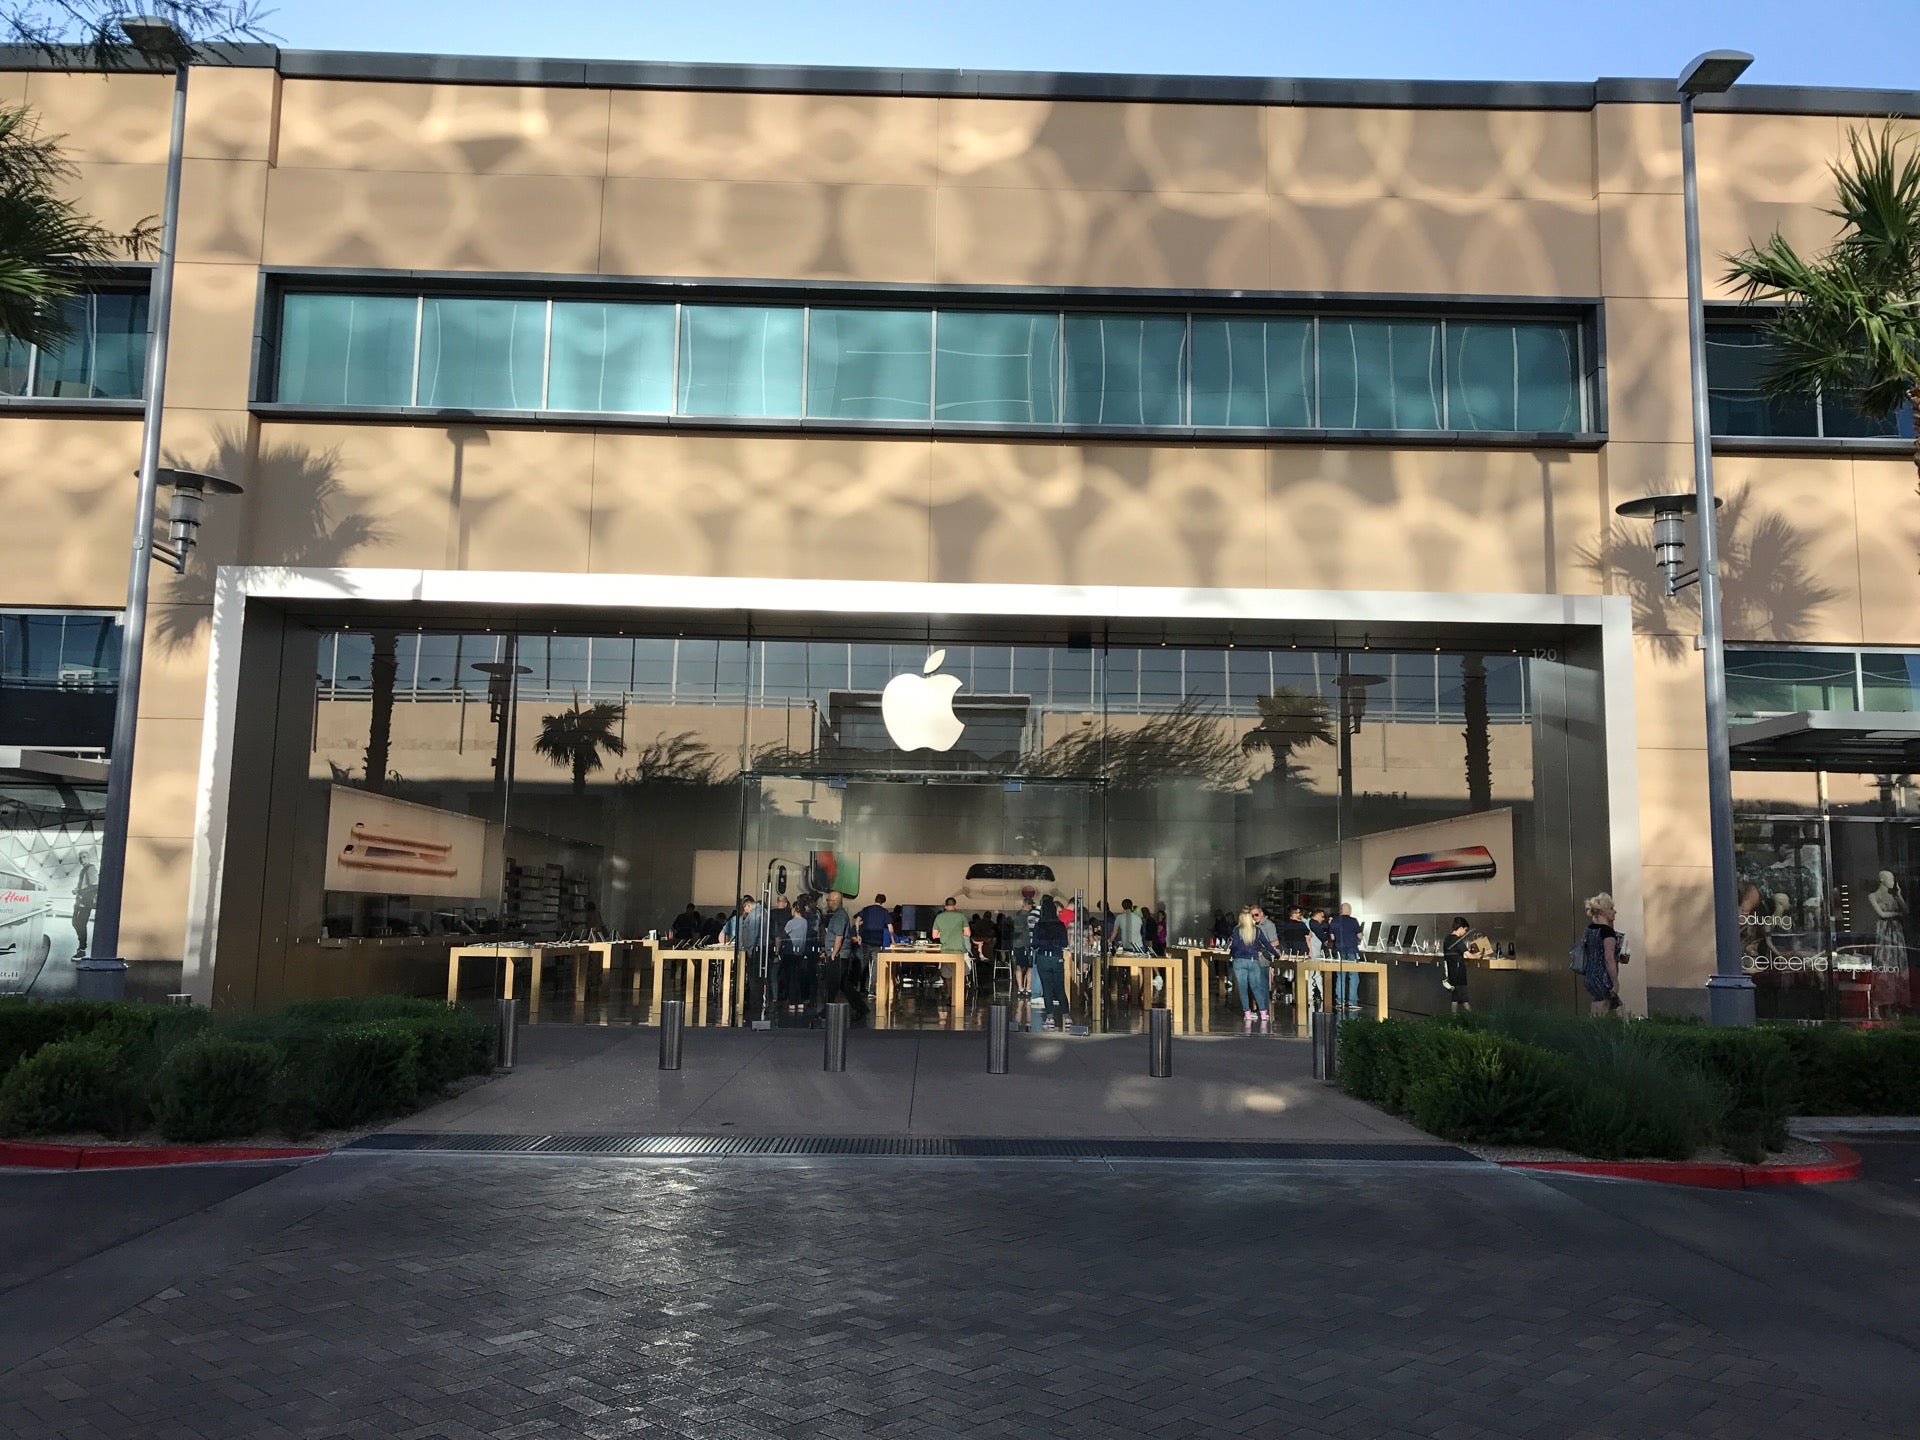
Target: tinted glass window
<point>1380,374</point>
<point>997,368</point>
<point>1889,681</point>
<point>1252,372</point>
<point>1125,370</point>
<point>1737,403</point>
<point>347,349</point>
<point>740,360</point>
<point>483,354</point>
<point>1779,682</point>
<point>1513,377</point>
<point>102,356</point>
<point>870,364</point>
<point>613,358</point>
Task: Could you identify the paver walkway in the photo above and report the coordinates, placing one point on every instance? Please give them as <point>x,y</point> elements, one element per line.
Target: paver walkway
<point>406,1297</point>
<point>594,1080</point>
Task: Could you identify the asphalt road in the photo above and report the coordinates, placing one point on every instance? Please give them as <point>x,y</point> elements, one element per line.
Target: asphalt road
<point>502,1296</point>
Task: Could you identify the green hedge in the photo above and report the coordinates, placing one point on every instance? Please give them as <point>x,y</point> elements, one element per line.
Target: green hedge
<point>320,1064</point>
<point>1846,1070</point>
<point>1595,1087</point>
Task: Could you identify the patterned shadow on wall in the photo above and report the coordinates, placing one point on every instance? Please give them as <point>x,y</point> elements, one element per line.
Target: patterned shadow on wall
<point>1769,587</point>
<point>331,535</point>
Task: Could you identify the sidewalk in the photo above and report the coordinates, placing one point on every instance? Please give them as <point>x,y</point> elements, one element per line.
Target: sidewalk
<point>607,1081</point>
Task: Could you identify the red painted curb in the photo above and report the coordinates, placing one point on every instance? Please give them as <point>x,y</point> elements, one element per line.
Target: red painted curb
<point>122,1157</point>
<point>1708,1175</point>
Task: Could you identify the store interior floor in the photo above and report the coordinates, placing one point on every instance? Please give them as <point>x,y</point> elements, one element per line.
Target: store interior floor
<point>606,1080</point>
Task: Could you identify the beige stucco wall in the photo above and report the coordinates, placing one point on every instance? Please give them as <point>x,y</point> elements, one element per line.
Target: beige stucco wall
<point>1015,192</point>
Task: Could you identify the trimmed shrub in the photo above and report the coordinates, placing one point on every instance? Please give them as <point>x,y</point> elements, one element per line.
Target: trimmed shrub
<point>453,1042</point>
<point>1488,1089</point>
<point>1762,1083</point>
<point>1844,1070</point>
<point>26,1025</point>
<point>65,1086</point>
<point>355,1073</point>
<point>1632,1101</point>
<point>213,1088</point>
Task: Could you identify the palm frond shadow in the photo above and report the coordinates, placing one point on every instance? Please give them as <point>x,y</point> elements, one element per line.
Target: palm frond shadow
<point>330,536</point>
<point>1769,586</point>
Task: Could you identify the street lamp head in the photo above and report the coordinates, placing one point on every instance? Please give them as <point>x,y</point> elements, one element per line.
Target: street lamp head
<point>1714,72</point>
<point>1669,515</point>
<point>156,37</point>
<point>190,489</point>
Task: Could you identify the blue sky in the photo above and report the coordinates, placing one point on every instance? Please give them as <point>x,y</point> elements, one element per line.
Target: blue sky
<point>1805,42</point>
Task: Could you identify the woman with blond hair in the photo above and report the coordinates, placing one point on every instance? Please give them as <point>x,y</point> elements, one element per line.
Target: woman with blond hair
<point>1251,953</point>
<point>1604,946</point>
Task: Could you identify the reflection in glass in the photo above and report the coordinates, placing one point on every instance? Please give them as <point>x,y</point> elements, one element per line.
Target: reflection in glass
<point>870,364</point>
<point>1779,682</point>
<point>997,367</point>
<point>1253,372</point>
<point>740,360</point>
<point>1380,374</point>
<point>612,358</point>
<point>482,354</point>
<point>1125,369</point>
<point>347,349</point>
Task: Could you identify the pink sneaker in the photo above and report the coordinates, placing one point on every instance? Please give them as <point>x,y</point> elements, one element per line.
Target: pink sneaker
<point>1249,1020</point>
<point>1266,1023</point>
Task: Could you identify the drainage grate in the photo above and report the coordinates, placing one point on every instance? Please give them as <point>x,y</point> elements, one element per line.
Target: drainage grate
<point>703,1147</point>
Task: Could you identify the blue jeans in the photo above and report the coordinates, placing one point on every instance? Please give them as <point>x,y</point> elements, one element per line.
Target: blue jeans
<point>1251,978</point>
<point>1052,974</point>
<point>1346,984</point>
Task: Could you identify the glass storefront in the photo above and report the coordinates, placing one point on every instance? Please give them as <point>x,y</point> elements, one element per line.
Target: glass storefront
<point>459,787</point>
<point>1827,864</point>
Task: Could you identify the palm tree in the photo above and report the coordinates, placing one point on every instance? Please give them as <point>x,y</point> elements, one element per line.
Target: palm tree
<point>48,249</point>
<point>1849,322</point>
<point>1290,720</point>
<point>577,738</point>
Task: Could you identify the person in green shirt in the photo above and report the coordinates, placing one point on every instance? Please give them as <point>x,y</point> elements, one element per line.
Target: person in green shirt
<point>950,928</point>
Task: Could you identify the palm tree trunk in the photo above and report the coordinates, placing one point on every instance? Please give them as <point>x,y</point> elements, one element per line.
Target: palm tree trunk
<point>384,672</point>
<point>580,770</point>
<point>1473,698</point>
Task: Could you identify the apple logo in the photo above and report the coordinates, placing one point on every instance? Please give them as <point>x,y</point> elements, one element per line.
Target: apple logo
<point>918,711</point>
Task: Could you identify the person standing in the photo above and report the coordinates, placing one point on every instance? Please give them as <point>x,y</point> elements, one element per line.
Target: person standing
<point>1049,963</point>
<point>1603,946</point>
<point>1251,953</point>
<point>1128,933</point>
<point>1024,919</point>
<point>952,931</point>
<point>875,923</point>
<point>1453,965</point>
<point>86,890</point>
<point>837,955</point>
<point>795,969</point>
<point>1345,930</point>
<point>747,929</point>
<point>685,929</point>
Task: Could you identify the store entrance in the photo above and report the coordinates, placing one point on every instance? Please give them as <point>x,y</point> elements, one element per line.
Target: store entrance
<point>907,843</point>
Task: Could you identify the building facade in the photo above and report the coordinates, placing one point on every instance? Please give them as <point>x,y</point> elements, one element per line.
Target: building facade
<point>616,438</point>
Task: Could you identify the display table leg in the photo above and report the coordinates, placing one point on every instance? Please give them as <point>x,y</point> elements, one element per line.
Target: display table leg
<point>453,978</point>
<point>1380,995</point>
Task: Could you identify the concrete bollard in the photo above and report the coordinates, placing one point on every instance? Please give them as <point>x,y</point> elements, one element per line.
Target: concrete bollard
<point>837,1015</point>
<point>507,1039</point>
<point>1159,1043</point>
<point>997,1027</point>
<point>673,1023</point>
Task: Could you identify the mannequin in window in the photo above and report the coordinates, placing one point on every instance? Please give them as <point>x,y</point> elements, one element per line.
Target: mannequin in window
<point>1889,932</point>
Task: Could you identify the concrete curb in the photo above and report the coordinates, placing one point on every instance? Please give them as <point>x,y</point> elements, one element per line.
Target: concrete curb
<point>24,1155</point>
<point>1845,1165</point>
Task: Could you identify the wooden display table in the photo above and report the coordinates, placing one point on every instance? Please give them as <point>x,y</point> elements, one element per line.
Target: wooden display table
<point>697,986</point>
<point>582,952</point>
<point>884,962</point>
<point>1175,969</point>
<point>1199,981</point>
<point>1304,968</point>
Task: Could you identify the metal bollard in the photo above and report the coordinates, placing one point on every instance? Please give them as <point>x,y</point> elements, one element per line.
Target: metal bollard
<point>1159,1043</point>
<point>836,1057</point>
<point>507,1042</point>
<point>673,1021</point>
<point>1326,1041</point>
<point>997,1026</point>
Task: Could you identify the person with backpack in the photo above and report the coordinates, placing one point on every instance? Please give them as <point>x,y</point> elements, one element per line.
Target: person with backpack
<point>794,947</point>
<point>1601,950</point>
<point>1453,964</point>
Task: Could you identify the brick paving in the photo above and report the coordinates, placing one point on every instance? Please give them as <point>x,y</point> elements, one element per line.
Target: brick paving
<point>508,1297</point>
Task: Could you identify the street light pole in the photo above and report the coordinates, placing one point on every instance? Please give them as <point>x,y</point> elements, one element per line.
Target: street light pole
<point>1730,991</point>
<point>105,975</point>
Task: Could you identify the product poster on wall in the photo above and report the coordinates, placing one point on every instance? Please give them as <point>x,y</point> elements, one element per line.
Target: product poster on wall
<point>49,875</point>
<point>1464,865</point>
<point>382,846</point>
